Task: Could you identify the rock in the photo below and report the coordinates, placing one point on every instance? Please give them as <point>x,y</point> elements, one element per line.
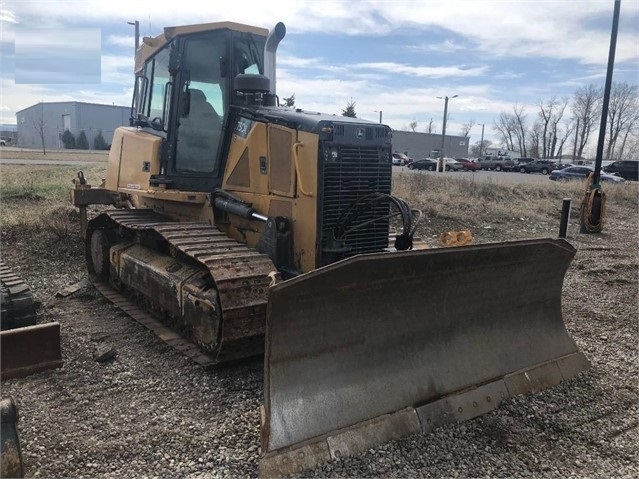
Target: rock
<point>104,353</point>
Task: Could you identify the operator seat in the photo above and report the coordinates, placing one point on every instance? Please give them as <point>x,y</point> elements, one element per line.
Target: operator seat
<point>198,135</point>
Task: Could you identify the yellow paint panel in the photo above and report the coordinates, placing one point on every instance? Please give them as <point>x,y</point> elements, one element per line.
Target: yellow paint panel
<point>305,206</point>
<point>134,157</point>
<point>250,148</point>
<point>281,168</point>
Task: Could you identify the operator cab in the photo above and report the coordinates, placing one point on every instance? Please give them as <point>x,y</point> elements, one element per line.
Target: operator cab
<point>183,89</point>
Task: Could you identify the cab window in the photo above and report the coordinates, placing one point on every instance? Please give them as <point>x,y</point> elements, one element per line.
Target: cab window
<point>152,90</point>
<point>203,103</point>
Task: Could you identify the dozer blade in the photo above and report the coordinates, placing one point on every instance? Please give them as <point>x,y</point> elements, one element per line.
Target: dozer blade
<point>29,350</point>
<point>384,345</point>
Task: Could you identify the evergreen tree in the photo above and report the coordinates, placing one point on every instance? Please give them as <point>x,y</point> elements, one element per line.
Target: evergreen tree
<point>350,110</point>
<point>82,143</point>
<point>290,101</point>
<point>99,143</point>
<point>68,140</point>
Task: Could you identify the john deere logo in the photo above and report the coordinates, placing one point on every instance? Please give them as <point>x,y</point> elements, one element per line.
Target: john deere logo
<point>359,133</point>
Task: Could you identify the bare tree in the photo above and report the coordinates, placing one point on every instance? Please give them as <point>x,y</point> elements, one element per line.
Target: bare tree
<point>519,120</point>
<point>534,140</point>
<point>586,107</point>
<point>413,124</point>
<point>555,129</point>
<point>506,126</point>
<point>630,147</point>
<point>40,126</point>
<point>630,132</point>
<point>477,148</point>
<point>546,112</point>
<point>466,127</point>
<point>431,128</point>
<point>623,110</point>
<point>566,133</point>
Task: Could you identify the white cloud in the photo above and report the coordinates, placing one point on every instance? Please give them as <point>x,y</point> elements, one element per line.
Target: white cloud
<point>7,16</point>
<point>117,69</point>
<point>423,71</point>
<point>122,41</point>
<point>447,46</point>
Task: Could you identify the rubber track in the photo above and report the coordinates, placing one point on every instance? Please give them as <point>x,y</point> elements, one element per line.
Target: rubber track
<point>16,300</point>
<point>240,273</point>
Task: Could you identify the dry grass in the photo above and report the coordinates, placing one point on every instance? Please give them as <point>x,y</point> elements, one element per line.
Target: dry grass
<point>38,197</point>
<point>471,203</point>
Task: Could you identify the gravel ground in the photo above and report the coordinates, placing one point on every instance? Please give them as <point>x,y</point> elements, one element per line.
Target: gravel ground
<point>150,412</point>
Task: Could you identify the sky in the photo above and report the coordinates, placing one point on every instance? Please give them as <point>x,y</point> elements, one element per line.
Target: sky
<point>397,57</point>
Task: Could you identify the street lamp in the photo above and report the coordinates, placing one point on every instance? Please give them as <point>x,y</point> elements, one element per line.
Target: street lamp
<point>441,151</point>
<point>380,115</point>
<point>136,24</point>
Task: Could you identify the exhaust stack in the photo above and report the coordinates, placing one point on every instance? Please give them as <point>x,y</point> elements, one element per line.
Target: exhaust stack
<point>270,49</point>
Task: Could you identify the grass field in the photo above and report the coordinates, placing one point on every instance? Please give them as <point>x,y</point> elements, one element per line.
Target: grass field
<point>67,155</point>
<point>35,197</point>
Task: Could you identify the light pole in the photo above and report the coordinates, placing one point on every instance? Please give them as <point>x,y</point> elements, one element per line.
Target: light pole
<point>380,115</point>
<point>441,151</point>
<point>136,24</point>
<point>481,143</point>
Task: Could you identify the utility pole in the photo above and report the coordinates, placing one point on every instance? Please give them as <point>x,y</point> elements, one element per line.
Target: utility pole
<point>136,24</point>
<point>574,148</point>
<point>380,115</point>
<point>481,143</point>
<point>441,151</point>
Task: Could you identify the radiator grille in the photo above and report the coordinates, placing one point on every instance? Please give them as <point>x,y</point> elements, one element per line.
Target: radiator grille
<point>358,172</point>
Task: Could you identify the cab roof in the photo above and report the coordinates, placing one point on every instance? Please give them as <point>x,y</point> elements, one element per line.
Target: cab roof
<point>150,45</point>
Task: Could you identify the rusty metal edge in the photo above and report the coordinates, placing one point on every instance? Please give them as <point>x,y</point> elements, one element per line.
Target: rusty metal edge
<point>42,357</point>
<point>457,407</point>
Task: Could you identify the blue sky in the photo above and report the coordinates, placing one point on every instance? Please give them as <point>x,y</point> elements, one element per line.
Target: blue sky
<point>394,56</point>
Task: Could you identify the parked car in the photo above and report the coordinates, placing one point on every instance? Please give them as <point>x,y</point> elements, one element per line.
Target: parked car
<point>452,164</point>
<point>497,163</point>
<point>3,143</point>
<point>580,173</point>
<point>520,161</point>
<point>627,169</point>
<point>538,166</point>
<point>561,166</point>
<point>423,164</point>
<point>467,164</point>
<point>400,159</point>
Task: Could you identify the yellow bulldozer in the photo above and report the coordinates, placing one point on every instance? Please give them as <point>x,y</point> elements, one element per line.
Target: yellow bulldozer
<point>251,228</point>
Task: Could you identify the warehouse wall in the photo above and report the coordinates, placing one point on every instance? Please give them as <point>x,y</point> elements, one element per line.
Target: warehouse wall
<point>90,117</point>
<point>420,145</point>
